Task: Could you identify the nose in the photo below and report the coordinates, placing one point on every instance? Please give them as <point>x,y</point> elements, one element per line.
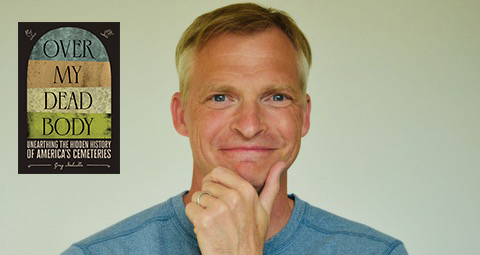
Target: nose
<point>249,120</point>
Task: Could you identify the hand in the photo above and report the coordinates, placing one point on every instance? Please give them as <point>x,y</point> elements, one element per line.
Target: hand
<point>234,219</point>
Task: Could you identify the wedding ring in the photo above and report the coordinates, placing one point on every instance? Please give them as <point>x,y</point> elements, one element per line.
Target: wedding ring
<point>200,195</point>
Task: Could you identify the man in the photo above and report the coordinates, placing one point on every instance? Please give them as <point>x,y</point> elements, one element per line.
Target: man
<point>243,105</point>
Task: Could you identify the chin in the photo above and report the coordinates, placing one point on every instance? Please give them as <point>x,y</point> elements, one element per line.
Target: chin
<point>252,172</point>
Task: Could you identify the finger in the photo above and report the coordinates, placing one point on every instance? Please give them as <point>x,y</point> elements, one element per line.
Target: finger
<point>193,211</point>
<point>230,197</point>
<point>216,189</point>
<point>227,178</point>
<point>202,199</point>
<point>272,186</point>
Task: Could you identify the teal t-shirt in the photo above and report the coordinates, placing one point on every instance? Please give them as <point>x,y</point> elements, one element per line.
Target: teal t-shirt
<point>165,229</point>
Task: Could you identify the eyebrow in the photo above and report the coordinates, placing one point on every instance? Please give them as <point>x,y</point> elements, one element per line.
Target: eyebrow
<point>281,87</point>
<point>223,88</point>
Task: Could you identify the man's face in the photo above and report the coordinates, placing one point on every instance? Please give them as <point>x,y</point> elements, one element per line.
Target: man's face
<point>245,110</point>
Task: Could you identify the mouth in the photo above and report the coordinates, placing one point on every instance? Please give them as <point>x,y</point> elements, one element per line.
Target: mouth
<point>247,149</point>
<point>247,153</point>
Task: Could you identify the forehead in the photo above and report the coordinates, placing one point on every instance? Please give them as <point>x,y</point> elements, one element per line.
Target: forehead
<point>266,57</point>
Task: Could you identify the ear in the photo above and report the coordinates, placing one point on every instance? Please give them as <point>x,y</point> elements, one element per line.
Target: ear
<point>306,116</point>
<point>178,114</point>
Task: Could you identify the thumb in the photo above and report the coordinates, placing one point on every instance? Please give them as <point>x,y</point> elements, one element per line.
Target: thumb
<point>272,185</point>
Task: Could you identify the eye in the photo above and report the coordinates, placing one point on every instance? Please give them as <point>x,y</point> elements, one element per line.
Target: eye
<point>219,98</point>
<point>278,97</point>
<point>219,101</point>
<point>278,100</point>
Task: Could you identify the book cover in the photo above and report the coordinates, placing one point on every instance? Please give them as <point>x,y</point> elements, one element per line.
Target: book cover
<point>69,98</point>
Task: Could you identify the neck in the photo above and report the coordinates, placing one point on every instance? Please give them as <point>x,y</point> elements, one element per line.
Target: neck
<point>281,210</point>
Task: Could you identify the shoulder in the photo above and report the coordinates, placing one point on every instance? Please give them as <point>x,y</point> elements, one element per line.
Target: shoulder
<point>140,226</point>
<point>343,232</point>
<point>132,224</point>
<point>329,223</point>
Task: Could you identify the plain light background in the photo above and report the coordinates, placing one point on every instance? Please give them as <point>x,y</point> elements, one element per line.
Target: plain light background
<point>394,141</point>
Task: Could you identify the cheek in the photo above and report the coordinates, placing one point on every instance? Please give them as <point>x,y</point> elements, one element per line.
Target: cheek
<point>288,123</point>
<point>206,126</point>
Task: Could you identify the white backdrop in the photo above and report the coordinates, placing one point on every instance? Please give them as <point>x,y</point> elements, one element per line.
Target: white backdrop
<point>394,141</point>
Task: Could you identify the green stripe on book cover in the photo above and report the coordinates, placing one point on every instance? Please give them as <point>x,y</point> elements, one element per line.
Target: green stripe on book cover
<point>41,125</point>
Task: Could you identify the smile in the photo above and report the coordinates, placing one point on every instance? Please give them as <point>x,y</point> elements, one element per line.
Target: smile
<point>247,153</point>
<point>247,149</point>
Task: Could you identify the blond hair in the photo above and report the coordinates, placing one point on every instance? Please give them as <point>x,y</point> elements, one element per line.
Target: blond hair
<point>244,18</point>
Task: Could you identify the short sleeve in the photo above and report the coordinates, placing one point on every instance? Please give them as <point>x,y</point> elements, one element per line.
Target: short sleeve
<point>73,250</point>
<point>399,250</point>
